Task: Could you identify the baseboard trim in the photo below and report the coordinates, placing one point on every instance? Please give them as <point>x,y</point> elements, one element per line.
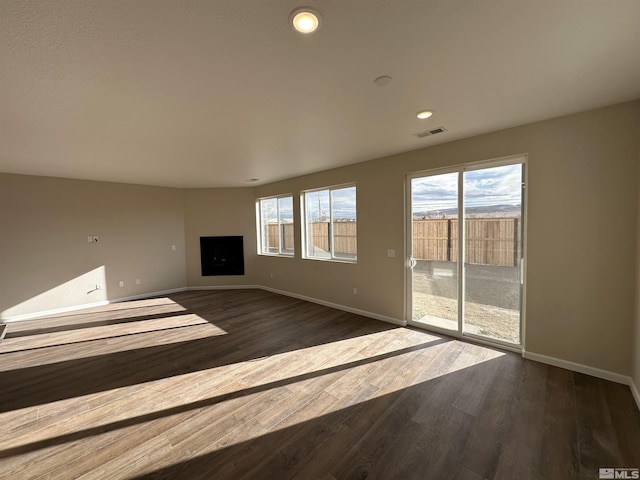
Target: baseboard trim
<point>337,306</point>
<point>148,295</point>
<point>578,367</point>
<point>53,311</point>
<point>73,308</point>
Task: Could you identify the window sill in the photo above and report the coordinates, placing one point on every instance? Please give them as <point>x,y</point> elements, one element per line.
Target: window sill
<point>332,260</point>
<point>279,255</point>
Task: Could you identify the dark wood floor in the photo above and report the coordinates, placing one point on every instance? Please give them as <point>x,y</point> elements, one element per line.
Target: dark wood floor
<point>248,384</point>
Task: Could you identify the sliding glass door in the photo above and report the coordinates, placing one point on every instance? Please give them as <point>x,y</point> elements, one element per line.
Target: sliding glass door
<point>434,256</point>
<point>481,295</point>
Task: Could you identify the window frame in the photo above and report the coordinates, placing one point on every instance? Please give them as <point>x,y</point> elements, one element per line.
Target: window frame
<point>262,247</point>
<point>304,224</point>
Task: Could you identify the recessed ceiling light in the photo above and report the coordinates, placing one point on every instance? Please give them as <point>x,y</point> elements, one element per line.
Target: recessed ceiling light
<point>422,114</point>
<point>305,19</point>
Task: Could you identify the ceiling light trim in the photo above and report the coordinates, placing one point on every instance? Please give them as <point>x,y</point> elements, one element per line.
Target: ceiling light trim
<point>305,20</point>
<point>424,114</point>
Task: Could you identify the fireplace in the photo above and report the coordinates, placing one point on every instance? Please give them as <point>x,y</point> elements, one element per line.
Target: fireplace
<point>222,255</point>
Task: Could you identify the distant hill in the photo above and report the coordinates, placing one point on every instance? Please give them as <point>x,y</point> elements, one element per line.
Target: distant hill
<point>485,211</point>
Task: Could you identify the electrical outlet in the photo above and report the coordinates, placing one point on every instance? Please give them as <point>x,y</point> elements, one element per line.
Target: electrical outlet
<point>271,275</point>
<point>173,247</point>
<point>391,253</point>
<point>355,291</point>
<point>90,239</point>
<point>137,281</point>
<point>121,283</point>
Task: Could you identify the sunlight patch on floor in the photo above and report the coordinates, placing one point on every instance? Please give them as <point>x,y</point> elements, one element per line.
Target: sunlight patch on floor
<point>312,379</point>
<point>82,343</point>
<point>114,312</point>
<point>223,431</point>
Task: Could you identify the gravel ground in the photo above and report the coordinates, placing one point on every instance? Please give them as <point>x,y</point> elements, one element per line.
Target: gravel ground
<point>493,298</point>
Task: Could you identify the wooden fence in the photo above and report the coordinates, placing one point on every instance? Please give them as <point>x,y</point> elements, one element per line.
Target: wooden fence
<point>287,236</point>
<point>489,241</point>
<point>344,236</point>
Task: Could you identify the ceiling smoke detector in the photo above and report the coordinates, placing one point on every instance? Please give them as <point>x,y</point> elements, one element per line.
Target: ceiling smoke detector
<point>382,80</point>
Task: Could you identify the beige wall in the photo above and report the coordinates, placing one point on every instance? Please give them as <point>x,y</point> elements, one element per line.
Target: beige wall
<point>582,194</point>
<point>46,262</point>
<point>378,278</point>
<point>636,335</point>
<point>220,212</point>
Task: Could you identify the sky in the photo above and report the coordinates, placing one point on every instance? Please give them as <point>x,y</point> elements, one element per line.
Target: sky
<point>485,187</point>
<point>489,186</point>
<point>343,203</point>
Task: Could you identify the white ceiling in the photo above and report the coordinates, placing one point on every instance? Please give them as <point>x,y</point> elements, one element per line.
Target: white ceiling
<point>210,93</point>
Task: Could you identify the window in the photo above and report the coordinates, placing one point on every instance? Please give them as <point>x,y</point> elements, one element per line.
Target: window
<point>330,223</point>
<point>275,225</point>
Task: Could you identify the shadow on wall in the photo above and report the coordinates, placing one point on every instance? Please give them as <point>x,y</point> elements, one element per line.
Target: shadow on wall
<point>87,288</point>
